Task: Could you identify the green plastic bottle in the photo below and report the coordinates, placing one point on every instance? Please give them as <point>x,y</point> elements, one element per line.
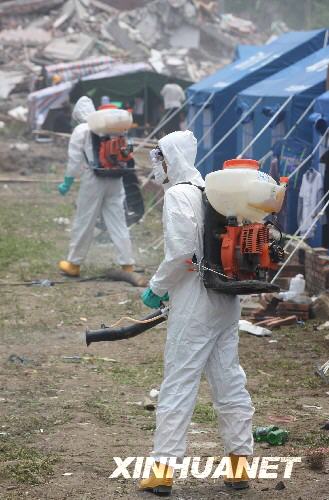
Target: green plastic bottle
<point>277,437</point>
<point>260,433</point>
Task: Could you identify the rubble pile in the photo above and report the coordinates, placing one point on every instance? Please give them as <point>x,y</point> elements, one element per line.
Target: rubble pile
<point>289,307</point>
<point>185,38</point>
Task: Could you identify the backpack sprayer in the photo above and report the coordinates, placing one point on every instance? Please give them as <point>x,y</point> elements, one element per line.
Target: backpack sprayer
<point>112,154</point>
<point>240,248</point>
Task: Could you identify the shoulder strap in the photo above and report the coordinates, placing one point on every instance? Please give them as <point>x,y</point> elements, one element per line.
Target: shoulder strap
<point>190,184</point>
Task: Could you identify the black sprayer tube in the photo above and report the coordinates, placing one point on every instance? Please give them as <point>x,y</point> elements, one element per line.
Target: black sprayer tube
<point>126,332</point>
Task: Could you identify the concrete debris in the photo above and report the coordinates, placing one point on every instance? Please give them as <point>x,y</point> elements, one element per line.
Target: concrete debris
<point>320,307</point>
<point>188,39</point>
<point>29,36</point>
<point>22,147</point>
<point>69,48</point>
<point>324,326</point>
<point>258,331</point>
<point>22,7</point>
<point>19,113</point>
<point>9,81</point>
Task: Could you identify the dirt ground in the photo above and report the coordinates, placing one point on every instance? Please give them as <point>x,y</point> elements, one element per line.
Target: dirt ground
<point>67,410</point>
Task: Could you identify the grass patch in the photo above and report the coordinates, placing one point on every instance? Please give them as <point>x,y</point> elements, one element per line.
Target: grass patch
<point>102,409</point>
<point>204,413</point>
<point>141,375</point>
<point>24,239</point>
<point>24,465</point>
<point>313,440</point>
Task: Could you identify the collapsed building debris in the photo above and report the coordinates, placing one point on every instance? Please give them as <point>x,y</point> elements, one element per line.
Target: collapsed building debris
<point>190,39</point>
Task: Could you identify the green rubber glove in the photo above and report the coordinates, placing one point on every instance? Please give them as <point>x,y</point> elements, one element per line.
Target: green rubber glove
<point>65,186</point>
<point>152,300</point>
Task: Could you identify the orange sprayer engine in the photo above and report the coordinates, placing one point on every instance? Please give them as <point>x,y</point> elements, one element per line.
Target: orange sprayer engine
<point>113,151</point>
<point>240,253</point>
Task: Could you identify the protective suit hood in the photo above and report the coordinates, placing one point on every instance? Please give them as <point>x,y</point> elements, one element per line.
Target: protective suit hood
<point>179,150</point>
<point>83,107</point>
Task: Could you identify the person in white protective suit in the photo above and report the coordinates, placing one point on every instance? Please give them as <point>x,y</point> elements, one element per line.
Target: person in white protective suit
<point>97,196</point>
<point>202,326</point>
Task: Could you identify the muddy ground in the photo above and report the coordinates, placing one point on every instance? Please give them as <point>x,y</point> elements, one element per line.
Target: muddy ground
<point>66,409</point>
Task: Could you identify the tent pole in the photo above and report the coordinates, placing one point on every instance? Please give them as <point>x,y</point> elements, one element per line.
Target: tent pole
<point>251,143</point>
<point>161,124</point>
<point>218,118</point>
<point>297,169</point>
<point>229,132</point>
<point>297,230</point>
<point>200,111</point>
<point>288,134</point>
<point>317,217</point>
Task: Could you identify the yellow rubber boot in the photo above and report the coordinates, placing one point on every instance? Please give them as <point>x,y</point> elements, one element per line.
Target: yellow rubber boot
<point>240,479</point>
<point>128,268</point>
<point>160,481</point>
<point>69,268</point>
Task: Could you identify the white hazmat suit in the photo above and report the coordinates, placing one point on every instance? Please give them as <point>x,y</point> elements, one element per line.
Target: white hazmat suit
<point>97,195</point>
<point>202,324</point>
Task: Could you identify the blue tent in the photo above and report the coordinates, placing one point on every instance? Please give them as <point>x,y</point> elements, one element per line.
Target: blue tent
<point>302,82</point>
<point>225,84</point>
<point>295,88</point>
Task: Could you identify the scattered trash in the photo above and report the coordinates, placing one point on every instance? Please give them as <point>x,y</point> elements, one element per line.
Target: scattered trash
<point>44,283</point>
<point>62,221</point>
<point>280,486</point>
<point>324,326</point>
<point>296,289</point>
<point>322,371</point>
<point>90,359</point>
<point>67,474</point>
<point>73,359</point>
<point>258,331</point>
<point>19,360</point>
<point>272,435</point>
<point>154,393</point>
<point>148,404</point>
<point>20,146</point>
<point>314,407</point>
<point>282,419</point>
<point>2,125</point>
<point>326,426</point>
<point>83,319</point>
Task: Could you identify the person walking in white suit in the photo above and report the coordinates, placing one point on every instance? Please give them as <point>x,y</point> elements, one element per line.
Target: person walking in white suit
<point>97,196</point>
<point>202,325</point>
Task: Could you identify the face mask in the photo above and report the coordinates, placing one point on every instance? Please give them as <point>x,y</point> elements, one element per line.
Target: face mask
<point>159,174</point>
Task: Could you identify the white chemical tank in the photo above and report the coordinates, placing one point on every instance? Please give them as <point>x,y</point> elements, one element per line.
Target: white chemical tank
<point>242,191</point>
<point>110,121</point>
